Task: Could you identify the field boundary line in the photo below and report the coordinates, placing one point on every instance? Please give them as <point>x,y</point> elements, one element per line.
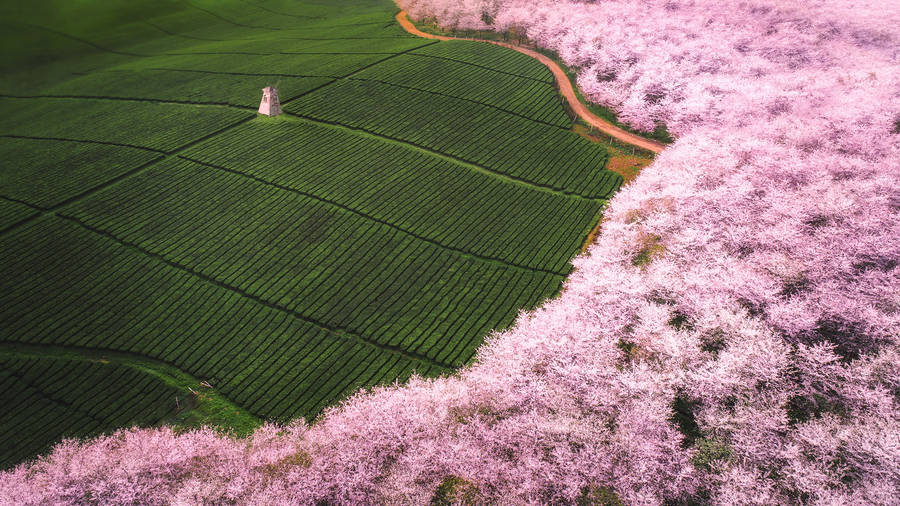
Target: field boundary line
<point>85,141</point>
<point>372,218</point>
<point>337,332</point>
<point>38,212</point>
<point>77,39</point>
<point>215,72</point>
<point>107,183</point>
<point>23,202</point>
<point>230,22</point>
<point>131,99</point>
<point>52,399</point>
<point>260,7</point>
<point>355,71</point>
<point>162,369</point>
<point>394,55</point>
<point>164,155</point>
<point>471,165</point>
<point>173,34</point>
<point>506,111</point>
<point>454,60</point>
<point>565,88</point>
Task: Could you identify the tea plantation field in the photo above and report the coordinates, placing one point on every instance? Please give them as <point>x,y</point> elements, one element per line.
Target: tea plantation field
<point>56,398</point>
<point>414,196</point>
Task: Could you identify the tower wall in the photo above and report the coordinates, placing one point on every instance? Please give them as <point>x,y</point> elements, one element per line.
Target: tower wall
<point>270,105</point>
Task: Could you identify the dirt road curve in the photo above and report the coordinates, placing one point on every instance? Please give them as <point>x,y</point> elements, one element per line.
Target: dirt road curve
<point>565,87</point>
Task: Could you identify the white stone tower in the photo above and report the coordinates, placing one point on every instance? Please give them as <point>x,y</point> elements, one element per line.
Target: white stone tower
<point>270,106</point>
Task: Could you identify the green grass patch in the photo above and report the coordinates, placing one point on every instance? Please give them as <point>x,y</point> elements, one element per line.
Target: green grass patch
<point>455,490</point>
<point>709,451</point>
<point>650,247</point>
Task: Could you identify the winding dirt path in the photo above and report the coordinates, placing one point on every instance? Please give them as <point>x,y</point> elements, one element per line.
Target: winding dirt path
<point>565,87</point>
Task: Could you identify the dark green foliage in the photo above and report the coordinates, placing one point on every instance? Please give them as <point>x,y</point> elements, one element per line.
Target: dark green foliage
<point>274,65</point>
<point>849,339</point>
<point>598,496</point>
<point>43,31</point>
<point>806,407</point>
<point>795,286</point>
<point>680,321</point>
<point>626,346</point>
<point>45,400</point>
<point>683,416</point>
<point>713,342</point>
<point>710,450</point>
<point>455,490</point>
<point>661,134</point>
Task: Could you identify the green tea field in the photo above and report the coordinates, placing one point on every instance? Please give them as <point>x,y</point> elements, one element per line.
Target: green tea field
<point>414,196</point>
<point>59,397</point>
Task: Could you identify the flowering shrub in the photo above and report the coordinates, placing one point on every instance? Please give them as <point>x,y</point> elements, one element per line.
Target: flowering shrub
<point>731,338</point>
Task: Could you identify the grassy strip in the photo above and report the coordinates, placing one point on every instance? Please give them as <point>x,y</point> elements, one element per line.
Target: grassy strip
<point>202,407</point>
